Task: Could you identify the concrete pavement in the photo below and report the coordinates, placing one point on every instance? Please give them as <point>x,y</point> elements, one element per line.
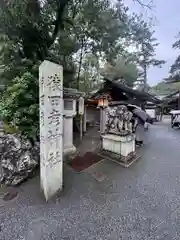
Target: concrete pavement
<point>139,203</point>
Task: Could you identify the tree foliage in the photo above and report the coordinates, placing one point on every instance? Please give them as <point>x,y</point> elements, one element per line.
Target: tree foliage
<point>121,70</point>
<point>30,25</point>
<point>164,88</point>
<point>28,29</point>
<point>82,36</point>
<point>174,73</point>
<point>19,105</point>
<point>146,44</point>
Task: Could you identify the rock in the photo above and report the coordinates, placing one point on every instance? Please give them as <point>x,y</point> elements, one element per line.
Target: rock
<point>18,159</point>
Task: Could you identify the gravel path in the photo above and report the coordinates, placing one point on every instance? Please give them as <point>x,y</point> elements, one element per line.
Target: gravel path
<point>139,203</point>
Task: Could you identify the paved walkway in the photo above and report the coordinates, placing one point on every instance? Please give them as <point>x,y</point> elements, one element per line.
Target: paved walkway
<point>142,202</point>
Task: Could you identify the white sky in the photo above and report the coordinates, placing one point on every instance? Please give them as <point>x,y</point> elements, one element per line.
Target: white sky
<point>167,18</point>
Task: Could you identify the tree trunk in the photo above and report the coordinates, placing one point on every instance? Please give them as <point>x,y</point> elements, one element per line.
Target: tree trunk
<point>144,70</point>
<point>80,64</point>
<point>145,78</point>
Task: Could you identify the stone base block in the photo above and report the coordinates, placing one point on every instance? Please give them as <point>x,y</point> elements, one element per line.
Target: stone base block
<point>69,150</point>
<point>119,149</point>
<point>118,144</point>
<point>121,160</point>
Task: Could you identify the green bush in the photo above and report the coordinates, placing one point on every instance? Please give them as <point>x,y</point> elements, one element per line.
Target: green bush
<point>19,105</point>
<point>10,129</point>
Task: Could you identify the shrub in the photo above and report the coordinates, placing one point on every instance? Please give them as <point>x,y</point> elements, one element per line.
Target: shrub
<point>19,105</point>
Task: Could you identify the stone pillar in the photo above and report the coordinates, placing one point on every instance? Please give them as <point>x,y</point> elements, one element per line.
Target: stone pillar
<point>101,120</point>
<point>104,119</point>
<point>85,120</point>
<point>69,148</point>
<point>51,127</point>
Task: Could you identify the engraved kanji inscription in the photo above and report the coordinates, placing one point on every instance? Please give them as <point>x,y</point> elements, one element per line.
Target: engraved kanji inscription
<point>42,100</point>
<point>42,118</point>
<point>54,100</point>
<point>54,83</point>
<point>43,160</point>
<point>54,157</point>
<point>55,117</point>
<point>54,135</point>
<point>42,138</point>
<point>42,80</point>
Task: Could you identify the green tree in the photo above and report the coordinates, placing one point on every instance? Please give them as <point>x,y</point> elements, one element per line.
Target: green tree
<point>122,70</point>
<point>27,33</point>
<point>29,25</point>
<point>95,37</point>
<point>164,88</point>
<point>146,43</point>
<point>80,36</point>
<point>174,73</point>
<point>90,77</point>
<point>19,105</point>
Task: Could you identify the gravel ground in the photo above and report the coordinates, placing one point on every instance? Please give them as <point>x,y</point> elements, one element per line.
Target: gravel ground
<point>139,203</point>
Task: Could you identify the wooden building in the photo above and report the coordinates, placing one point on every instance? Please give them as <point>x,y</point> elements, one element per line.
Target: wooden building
<point>114,92</point>
<point>171,101</point>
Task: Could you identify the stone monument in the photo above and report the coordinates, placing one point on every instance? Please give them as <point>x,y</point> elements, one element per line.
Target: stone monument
<point>118,141</point>
<point>51,127</point>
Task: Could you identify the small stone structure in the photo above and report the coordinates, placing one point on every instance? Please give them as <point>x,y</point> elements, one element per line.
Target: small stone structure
<point>118,141</point>
<point>70,97</point>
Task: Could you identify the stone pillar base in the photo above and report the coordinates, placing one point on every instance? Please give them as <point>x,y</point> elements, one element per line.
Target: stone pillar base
<point>69,150</point>
<point>120,149</point>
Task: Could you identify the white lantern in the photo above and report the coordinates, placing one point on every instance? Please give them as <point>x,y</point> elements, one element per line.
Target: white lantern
<point>105,103</point>
<point>102,103</point>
